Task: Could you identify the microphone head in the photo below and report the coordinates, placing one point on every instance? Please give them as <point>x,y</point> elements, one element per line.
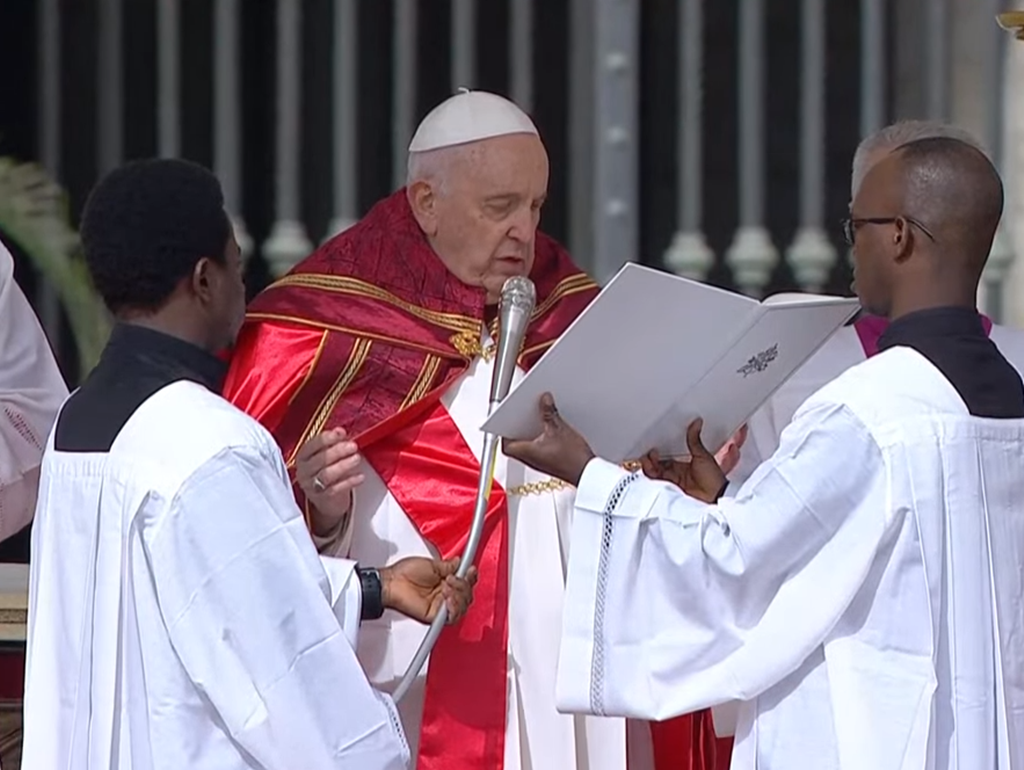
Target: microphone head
<point>518,292</point>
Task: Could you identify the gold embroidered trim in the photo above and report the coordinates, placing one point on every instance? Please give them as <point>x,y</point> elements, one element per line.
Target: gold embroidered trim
<point>360,351</point>
<point>538,487</point>
<point>572,285</point>
<point>471,347</point>
<point>423,382</point>
<point>397,341</point>
<point>554,485</point>
<point>345,285</point>
<point>312,367</point>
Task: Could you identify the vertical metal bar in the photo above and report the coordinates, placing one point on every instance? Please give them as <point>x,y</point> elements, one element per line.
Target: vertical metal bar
<point>110,118</point>
<point>691,33</point>
<point>288,242</point>
<point>811,254</point>
<point>168,41</point>
<point>227,106</point>
<point>812,113</point>
<point>345,61</point>
<point>872,66</point>
<point>521,45</point>
<point>751,112</point>
<point>688,254</point>
<point>49,85</point>
<point>404,93</point>
<point>48,302</point>
<point>1001,258</point>
<point>615,81</point>
<point>581,121</point>
<point>463,44</point>
<point>937,58</point>
<point>289,93</point>
<point>752,254</point>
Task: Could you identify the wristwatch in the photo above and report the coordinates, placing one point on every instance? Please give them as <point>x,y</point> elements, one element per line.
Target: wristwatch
<point>373,592</point>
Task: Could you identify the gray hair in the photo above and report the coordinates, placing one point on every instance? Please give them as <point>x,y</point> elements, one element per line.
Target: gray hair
<point>897,134</point>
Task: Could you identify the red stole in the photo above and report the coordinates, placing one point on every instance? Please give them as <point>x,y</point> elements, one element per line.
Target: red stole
<point>401,329</point>
<point>870,327</point>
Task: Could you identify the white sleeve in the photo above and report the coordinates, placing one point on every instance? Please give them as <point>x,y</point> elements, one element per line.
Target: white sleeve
<point>762,440</point>
<point>346,594</point>
<point>31,392</point>
<point>673,605</point>
<point>246,604</point>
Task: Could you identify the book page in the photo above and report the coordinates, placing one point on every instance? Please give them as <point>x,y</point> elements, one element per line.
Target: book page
<point>750,371</point>
<point>802,298</point>
<point>647,338</point>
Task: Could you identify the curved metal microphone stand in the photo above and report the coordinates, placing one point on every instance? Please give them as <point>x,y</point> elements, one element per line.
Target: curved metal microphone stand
<point>518,297</point>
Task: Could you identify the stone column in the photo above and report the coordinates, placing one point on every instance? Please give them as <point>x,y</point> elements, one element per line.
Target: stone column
<point>689,255</point>
<point>345,104</point>
<point>168,42</point>
<point>752,255</point>
<point>288,242</point>
<point>227,107</point>
<point>812,255</point>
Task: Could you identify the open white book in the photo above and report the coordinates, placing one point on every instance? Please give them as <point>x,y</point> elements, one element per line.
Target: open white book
<point>654,351</point>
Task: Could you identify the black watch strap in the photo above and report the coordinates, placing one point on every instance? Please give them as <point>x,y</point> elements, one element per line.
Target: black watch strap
<point>373,593</point>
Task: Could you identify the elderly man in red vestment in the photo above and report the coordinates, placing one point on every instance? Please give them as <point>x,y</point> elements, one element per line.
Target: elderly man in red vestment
<point>370,362</point>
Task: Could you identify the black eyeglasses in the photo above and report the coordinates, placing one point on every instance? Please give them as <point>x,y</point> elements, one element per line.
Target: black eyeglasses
<point>850,226</point>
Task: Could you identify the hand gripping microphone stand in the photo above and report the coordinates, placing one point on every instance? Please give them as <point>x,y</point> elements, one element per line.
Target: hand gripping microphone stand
<point>518,297</point>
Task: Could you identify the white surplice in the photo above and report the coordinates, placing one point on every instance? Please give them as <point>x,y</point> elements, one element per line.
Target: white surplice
<point>841,352</point>
<point>31,392</point>
<point>179,615</point>
<point>860,595</point>
<point>537,737</point>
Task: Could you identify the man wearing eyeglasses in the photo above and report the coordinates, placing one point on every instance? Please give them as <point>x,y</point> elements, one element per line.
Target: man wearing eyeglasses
<point>860,594</point>
<point>860,340</point>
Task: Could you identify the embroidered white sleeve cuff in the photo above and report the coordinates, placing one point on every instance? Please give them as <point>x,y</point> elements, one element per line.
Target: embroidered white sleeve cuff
<point>596,485</point>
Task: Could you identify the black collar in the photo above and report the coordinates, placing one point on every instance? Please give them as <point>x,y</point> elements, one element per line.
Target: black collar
<point>178,358</point>
<point>945,322</point>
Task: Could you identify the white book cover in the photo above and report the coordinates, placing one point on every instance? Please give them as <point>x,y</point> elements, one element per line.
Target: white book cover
<point>655,351</point>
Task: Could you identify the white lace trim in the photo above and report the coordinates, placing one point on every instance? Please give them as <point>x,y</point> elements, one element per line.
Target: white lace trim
<point>598,662</point>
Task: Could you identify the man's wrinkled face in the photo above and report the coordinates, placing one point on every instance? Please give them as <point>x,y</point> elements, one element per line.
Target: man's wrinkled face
<point>482,217</point>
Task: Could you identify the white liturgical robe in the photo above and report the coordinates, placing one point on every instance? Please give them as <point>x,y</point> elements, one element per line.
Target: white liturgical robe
<point>537,736</point>
<point>841,352</point>
<point>860,595</point>
<point>179,615</point>
<point>31,392</point>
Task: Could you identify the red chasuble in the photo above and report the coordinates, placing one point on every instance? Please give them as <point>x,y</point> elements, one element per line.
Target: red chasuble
<point>367,334</point>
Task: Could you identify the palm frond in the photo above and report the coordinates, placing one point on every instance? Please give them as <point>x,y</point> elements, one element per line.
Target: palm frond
<point>34,214</point>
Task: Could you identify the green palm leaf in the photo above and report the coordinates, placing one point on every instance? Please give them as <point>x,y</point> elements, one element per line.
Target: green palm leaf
<point>34,214</point>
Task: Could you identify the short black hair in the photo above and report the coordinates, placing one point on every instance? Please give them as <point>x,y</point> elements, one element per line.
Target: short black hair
<point>955,189</point>
<point>146,225</point>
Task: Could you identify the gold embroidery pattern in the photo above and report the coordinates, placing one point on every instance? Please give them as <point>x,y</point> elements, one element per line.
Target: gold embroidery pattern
<point>538,487</point>
<point>571,285</point>
<point>345,285</point>
<point>467,343</point>
<point>360,351</point>
<point>471,347</point>
<point>423,381</point>
<point>396,341</point>
<point>554,485</point>
<point>312,367</point>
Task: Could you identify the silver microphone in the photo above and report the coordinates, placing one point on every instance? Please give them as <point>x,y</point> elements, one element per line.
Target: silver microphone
<point>515,307</point>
